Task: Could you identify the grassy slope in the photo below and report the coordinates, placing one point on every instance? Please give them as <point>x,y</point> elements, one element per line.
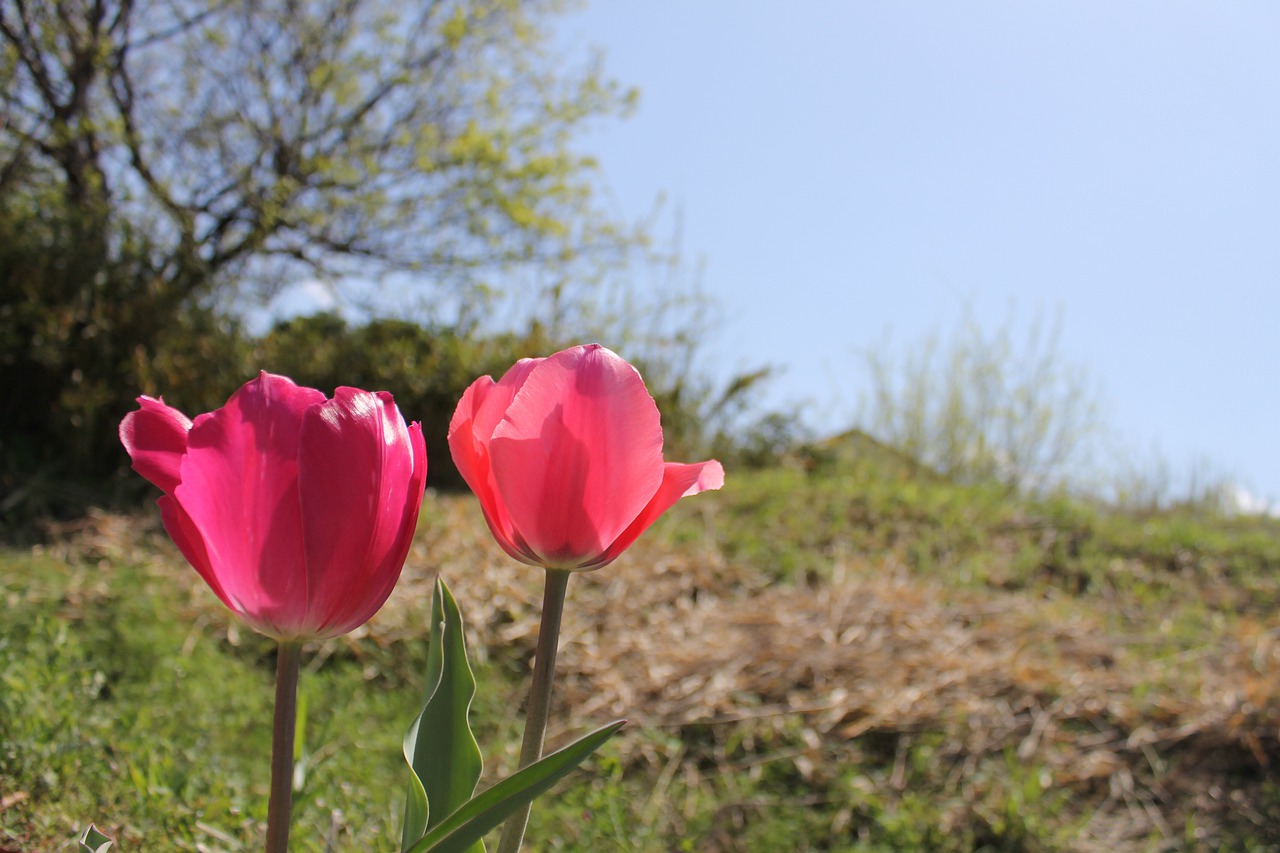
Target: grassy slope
<point>840,658</point>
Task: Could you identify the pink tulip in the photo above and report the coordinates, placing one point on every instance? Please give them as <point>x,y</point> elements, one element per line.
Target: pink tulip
<point>565,455</point>
<point>297,510</point>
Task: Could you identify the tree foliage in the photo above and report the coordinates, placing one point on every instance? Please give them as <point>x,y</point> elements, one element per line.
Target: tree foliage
<point>427,368</point>
<point>159,158</point>
<point>243,136</point>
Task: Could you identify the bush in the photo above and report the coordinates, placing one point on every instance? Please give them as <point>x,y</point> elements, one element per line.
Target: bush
<point>77,347</point>
<point>426,368</point>
<point>986,407</point>
<point>85,324</point>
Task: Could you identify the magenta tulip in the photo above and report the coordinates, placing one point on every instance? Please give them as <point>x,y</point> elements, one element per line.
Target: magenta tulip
<point>297,510</point>
<point>565,455</point>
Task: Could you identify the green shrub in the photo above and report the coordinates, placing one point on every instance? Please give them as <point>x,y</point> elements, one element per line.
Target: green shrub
<point>425,368</point>
<point>986,406</point>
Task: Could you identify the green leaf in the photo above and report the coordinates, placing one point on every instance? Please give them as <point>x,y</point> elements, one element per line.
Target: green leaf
<point>439,746</point>
<point>301,758</point>
<point>92,841</point>
<point>467,825</point>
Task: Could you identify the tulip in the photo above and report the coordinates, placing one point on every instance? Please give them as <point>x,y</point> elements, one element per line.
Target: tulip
<point>565,456</point>
<point>298,512</point>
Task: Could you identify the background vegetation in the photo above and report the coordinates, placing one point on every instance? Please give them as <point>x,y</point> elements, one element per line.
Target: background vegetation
<point>986,405</point>
<point>163,164</point>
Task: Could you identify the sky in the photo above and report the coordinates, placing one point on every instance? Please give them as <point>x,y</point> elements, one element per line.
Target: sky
<point>852,175</point>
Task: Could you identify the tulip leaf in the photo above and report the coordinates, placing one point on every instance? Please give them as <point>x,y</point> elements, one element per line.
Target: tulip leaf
<point>466,826</point>
<point>439,746</point>
<point>93,841</point>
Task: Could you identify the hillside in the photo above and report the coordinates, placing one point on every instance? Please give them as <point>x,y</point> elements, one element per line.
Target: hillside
<point>830,654</point>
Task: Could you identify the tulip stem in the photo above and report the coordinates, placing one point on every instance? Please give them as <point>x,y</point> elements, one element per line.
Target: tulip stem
<point>535,720</point>
<point>288,658</point>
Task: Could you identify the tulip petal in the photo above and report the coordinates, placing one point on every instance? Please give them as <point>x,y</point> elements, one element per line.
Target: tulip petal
<point>678,481</point>
<point>578,455</point>
<point>156,437</point>
<point>239,488</point>
<point>479,412</point>
<point>360,480</point>
<point>183,532</point>
<point>493,406</point>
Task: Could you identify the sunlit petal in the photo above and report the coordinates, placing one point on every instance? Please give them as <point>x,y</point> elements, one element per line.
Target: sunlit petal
<point>678,481</point>
<point>578,454</point>
<point>156,437</point>
<point>358,467</point>
<point>240,489</point>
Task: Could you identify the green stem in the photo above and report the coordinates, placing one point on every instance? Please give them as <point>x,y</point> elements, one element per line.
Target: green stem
<point>535,720</point>
<point>288,658</point>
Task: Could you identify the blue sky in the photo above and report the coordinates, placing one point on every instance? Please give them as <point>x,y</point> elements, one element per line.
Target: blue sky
<point>847,170</point>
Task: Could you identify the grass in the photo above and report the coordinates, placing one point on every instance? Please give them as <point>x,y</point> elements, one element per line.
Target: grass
<point>839,655</point>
